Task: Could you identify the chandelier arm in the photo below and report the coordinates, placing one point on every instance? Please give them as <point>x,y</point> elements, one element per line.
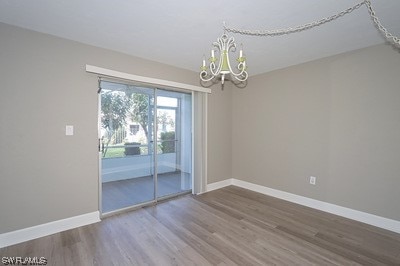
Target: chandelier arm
<point>204,74</point>
<point>229,64</point>
<point>244,76</point>
<point>239,74</point>
<point>240,66</point>
<point>212,67</point>
<point>233,72</point>
<point>297,28</point>
<point>218,69</point>
<point>218,44</point>
<point>232,46</point>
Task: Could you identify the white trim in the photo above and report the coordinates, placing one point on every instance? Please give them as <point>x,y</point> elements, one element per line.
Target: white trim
<point>18,236</point>
<point>200,143</point>
<point>99,154</point>
<point>166,83</point>
<point>371,219</point>
<point>205,146</point>
<point>220,184</point>
<point>192,139</point>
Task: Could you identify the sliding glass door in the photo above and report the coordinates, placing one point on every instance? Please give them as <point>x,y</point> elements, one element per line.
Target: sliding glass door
<point>174,141</point>
<point>145,145</point>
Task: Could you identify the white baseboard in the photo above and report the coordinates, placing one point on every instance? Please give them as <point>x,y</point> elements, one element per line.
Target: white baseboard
<point>218,185</point>
<point>18,236</point>
<point>371,219</point>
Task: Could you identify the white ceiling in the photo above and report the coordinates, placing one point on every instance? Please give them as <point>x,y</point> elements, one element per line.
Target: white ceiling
<point>178,32</point>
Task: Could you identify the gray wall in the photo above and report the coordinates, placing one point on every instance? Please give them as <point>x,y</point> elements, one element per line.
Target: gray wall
<point>220,134</point>
<point>45,175</point>
<point>336,118</point>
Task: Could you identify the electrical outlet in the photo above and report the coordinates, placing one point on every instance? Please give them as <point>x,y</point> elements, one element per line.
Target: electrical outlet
<point>313,179</point>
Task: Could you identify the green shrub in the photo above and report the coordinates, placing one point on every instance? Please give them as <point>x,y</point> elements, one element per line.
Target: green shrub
<point>168,142</point>
<point>132,150</point>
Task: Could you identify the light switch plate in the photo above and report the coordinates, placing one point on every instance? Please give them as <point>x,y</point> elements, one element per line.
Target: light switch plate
<point>69,130</point>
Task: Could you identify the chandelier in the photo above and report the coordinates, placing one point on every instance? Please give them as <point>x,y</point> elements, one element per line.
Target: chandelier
<point>219,67</point>
<point>221,70</point>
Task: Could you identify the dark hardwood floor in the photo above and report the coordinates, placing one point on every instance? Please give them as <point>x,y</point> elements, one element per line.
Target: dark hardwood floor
<point>230,226</point>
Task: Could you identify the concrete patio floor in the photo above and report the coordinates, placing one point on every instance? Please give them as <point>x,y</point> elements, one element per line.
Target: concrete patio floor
<point>124,193</point>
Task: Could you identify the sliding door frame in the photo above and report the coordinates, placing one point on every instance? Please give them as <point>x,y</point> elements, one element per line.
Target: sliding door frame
<point>152,143</point>
<point>199,164</point>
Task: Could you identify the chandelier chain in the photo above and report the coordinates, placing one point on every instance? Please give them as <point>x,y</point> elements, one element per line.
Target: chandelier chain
<point>294,29</point>
<point>379,25</point>
<point>313,24</point>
